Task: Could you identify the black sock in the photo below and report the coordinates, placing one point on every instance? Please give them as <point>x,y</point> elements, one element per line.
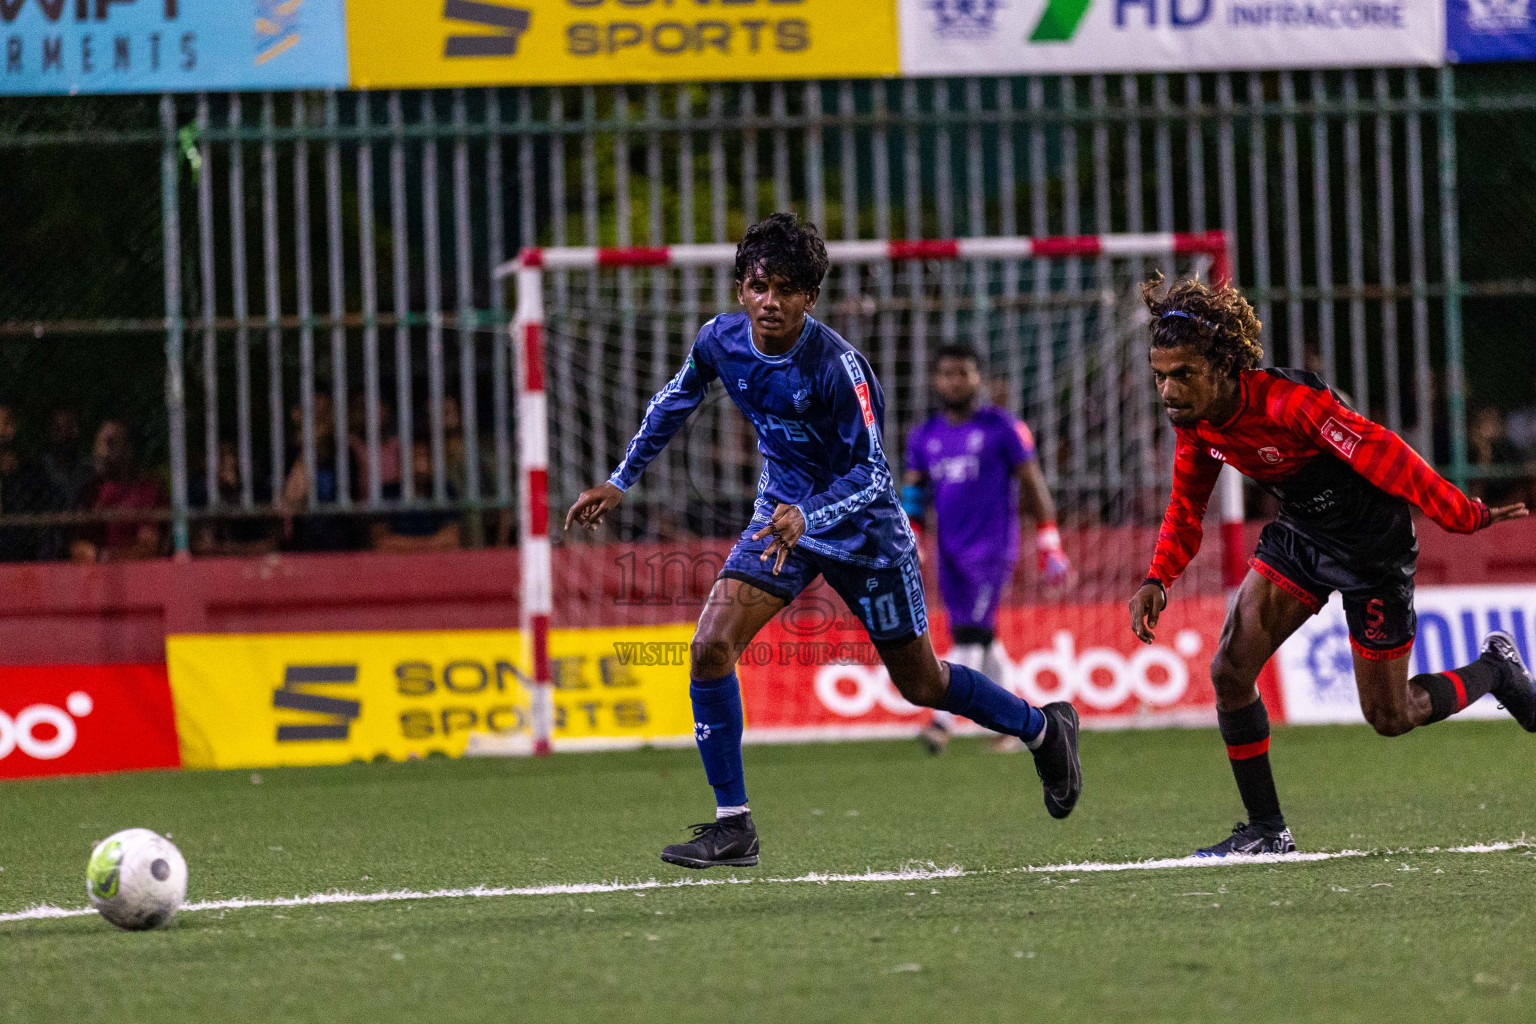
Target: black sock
<point>1451,691</point>
<point>1246,734</point>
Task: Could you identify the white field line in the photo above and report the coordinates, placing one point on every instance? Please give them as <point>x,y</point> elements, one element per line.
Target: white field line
<point>912,874</point>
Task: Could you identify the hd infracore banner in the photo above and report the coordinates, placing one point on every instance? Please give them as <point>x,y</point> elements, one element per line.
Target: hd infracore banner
<point>89,46</point>
<point>988,37</point>
<point>405,43</point>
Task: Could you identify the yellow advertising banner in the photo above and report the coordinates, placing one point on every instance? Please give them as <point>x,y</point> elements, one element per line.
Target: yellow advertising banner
<point>247,701</point>
<point>410,43</point>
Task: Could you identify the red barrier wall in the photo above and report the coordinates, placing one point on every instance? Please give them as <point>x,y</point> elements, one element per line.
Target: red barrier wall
<point>114,614</point>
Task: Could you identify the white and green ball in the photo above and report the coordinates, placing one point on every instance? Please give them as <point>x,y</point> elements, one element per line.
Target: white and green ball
<point>137,879</point>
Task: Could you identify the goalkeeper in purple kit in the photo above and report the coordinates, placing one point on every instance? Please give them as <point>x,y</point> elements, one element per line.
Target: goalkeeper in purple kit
<point>976,464</point>
<point>826,506</point>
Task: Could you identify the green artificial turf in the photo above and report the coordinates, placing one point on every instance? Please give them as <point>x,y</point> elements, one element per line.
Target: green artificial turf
<point>1401,936</point>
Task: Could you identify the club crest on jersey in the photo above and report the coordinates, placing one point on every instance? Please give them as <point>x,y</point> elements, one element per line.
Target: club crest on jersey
<point>1344,440</point>
<point>1271,455</point>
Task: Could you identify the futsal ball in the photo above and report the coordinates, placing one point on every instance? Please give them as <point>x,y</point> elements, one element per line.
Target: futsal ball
<point>137,879</point>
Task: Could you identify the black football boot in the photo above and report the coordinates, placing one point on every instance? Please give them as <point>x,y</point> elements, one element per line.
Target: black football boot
<point>724,842</point>
<point>1056,762</point>
<point>1516,690</point>
<point>1251,840</point>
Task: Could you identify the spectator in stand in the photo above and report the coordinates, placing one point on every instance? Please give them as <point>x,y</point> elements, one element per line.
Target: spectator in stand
<point>1520,428</point>
<point>475,525</point>
<point>417,529</point>
<point>24,489</point>
<point>317,531</point>
<point>235,535</point>
<point>389,443</point>
<point>1489,446</point>
<point>119,484</point>
<point>69,469</point>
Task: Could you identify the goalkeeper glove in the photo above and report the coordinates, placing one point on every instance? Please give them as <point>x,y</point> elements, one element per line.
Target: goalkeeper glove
<point>1050,560</point>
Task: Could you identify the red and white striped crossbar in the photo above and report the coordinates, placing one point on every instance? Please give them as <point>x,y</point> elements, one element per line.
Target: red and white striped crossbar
<point>532,409</point>
<point>1210,243</point>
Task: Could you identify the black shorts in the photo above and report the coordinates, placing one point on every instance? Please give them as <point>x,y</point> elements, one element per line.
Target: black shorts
<point>1374,575</point>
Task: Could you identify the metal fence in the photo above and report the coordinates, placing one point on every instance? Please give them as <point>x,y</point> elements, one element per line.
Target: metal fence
<point>332,328</point>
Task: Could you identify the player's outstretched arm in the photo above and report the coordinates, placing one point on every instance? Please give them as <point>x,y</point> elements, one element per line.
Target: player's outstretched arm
<point>1389,462</point>
<point>1194,478</point>
<point>1146,606</point>
<point>593,504</point>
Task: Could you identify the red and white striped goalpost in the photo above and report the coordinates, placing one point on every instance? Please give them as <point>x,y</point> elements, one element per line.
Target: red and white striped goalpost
<point>532,409</point>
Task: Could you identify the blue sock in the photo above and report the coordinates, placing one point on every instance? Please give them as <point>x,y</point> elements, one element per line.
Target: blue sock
<point>717,722</point>
<point>984,702</point>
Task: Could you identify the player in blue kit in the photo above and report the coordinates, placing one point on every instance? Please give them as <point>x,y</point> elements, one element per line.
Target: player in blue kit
<point>977,465</point>
<point>826,506</point>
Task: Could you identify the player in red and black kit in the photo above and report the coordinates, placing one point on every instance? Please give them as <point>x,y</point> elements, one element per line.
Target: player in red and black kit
<point>1345,486</point>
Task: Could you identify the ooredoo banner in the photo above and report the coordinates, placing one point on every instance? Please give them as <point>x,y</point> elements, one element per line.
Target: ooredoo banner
<point>1317,669</point>
<point>954,37</point>
<point>83,719</point>
<point>329,698</point>
<point>806,679</point>
<point>97,46</point>
<point>406,43</point>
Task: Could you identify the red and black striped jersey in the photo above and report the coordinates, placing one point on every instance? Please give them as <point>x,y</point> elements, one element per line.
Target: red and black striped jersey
<point>1333,470</point>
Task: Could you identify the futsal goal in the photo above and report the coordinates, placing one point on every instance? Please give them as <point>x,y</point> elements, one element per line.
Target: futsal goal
<point>1059,325</point>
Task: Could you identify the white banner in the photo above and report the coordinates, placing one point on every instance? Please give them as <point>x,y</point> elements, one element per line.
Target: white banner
<point>1317,674</point>
<point>971,37</point>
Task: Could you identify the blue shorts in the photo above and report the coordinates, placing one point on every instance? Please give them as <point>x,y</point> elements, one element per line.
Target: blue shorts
<point>889,602</point>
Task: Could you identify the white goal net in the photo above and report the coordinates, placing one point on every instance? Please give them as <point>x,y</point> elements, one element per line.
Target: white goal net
<point>1060,327</point>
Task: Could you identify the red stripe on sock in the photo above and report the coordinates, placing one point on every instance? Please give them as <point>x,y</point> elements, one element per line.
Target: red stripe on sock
<point>1243,751</point>
<point>1461,691</point>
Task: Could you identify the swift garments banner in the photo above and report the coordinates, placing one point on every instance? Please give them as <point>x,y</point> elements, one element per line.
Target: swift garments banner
<point>92,46</point>
<point>409,43</point>
<point>989,37</point>
<point>330,698</point>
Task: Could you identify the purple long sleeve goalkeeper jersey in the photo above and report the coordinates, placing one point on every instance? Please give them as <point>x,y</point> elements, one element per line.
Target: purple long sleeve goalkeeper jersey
<point>818,413</point>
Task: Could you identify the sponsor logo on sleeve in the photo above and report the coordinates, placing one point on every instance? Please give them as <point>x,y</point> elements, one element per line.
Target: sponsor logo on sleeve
<point>862,390</point>
<point>1343,439</point>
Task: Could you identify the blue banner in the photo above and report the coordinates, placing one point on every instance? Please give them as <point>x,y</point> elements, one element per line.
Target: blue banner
<point>64,47</point>
<point>1481,30</point>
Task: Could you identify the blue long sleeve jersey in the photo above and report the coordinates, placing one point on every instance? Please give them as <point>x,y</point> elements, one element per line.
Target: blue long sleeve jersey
<point>818,412</point>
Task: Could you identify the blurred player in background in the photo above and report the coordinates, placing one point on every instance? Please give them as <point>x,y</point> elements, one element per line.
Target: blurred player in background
<point>1345,486</point>
<point>826,506</point>
<point>977,465</point>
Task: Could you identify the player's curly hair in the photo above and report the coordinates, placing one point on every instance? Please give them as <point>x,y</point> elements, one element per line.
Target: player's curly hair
<point>1218,323</point>
<point>780,245</point>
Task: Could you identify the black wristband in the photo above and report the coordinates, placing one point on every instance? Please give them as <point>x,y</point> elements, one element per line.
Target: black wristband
<point>1159,584</point>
